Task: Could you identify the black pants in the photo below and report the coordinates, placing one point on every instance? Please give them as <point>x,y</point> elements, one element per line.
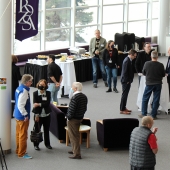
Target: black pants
<point>135,168</point>
<point>125,92</point>
<point>45,121</point>
<point>169,90</point>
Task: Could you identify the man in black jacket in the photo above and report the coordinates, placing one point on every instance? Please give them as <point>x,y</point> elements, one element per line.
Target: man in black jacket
<point>142,58</point>
<point>168,70</point>
<point>127,76</point>
<point>75,114</point>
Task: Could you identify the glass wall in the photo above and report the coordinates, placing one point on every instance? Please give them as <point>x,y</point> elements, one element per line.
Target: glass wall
<point>65,23</point>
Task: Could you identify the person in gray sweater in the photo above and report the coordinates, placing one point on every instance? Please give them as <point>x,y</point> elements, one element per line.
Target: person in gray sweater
<point>154,72</point>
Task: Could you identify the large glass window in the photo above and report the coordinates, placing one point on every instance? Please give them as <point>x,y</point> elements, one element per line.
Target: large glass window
<point>57,38</point>
<point>56,29</point>
<point>110,30</point>
<point>112,13</point>
<point>138,28</point>
<point>155,27</point>
<point>57,3</point>
<point>112,2</point>
<point>27,46</point>
<point>83,35</point>
<point>138,11</point>
<point>136,0</point>
<point>58,18</point>
<point>155,9</point>
<point>86,2</point>
<point>85,16</point>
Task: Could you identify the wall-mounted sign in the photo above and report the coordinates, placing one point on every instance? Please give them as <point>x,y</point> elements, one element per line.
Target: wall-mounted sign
<point>3,81</point>
<point>3,87</point>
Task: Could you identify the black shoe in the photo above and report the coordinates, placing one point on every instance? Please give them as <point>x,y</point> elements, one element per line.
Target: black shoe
<point>70,152</point>
<point>115,90</point>
<point>95,85</point>
<point>109,90</point>
<point>75,157</point>
<point>154,118</point>
<point>106,85</point>
<point>36,148</point>
<point>49,147</point>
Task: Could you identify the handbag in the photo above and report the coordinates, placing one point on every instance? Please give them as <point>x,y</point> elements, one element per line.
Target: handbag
<point>36,136</point>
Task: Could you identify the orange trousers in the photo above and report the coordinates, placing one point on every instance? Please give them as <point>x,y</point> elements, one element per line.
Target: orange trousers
<point>21,137</point>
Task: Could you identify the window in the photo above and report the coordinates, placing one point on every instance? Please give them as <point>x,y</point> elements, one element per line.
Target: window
<point>83,35</point>
<point>58,38</point>
<point>86,2</point>
<point>50,4</point>
<point>155,9</point>
<point>138,28</point>
<point>135,13</point>
<point>112,13</point>
<point>136,1</point>
<point>112,2</point>
<point>85,16</point>
<point>58,18</point>
<point>110,30</point>
<point>155,27</point>
<point>27,46</point>
<point>56,30</point>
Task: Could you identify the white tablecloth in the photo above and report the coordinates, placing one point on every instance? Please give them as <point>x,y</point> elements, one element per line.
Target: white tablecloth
<point>68,75</point>
<point>68,71</point>
<point>164,99</point>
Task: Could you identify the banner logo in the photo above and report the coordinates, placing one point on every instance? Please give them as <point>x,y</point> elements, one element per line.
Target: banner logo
<point>26,18</point>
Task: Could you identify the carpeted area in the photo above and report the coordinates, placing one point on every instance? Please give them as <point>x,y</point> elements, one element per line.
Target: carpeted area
<point>101,105</point>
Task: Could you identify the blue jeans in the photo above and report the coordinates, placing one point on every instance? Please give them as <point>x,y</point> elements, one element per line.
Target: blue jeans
<point>54,92</point>
<point>156,89</point>
<point>97,61</point>
<point>111,72</point>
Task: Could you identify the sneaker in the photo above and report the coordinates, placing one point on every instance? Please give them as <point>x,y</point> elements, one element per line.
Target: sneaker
<point>115,90</point>
<point>106,85</point>
<point>95,85</point>
<point>25,153</point>
<point>26,157</point>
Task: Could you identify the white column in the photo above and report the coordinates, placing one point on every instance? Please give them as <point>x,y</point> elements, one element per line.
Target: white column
<point>163,24</point>
<point>5,72</point>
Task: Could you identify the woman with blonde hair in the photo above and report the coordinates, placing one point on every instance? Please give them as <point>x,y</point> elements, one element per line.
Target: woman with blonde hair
<point>110,60</point>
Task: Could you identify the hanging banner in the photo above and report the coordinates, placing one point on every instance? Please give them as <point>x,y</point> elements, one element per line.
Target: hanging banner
<point>26,19</point>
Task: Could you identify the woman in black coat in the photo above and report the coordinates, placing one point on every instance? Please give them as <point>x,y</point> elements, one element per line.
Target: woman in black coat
<point>110,60</point>
<point>16,76</point>
<point>42,110</point>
